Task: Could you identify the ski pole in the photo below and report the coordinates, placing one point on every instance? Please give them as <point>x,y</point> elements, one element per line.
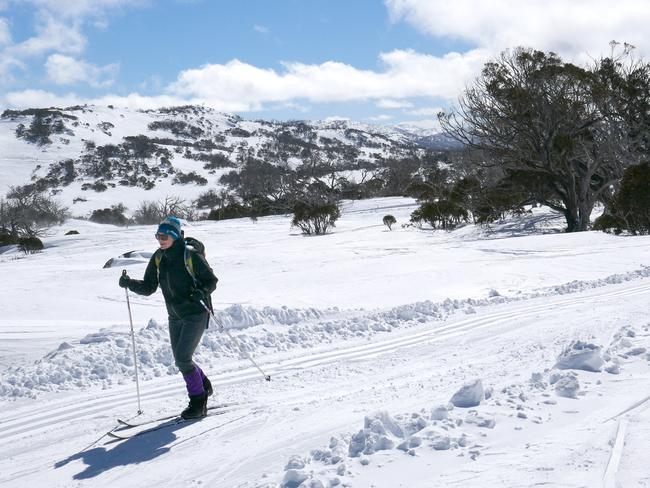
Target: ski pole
<point>237,343</point>
<point>135,357</point>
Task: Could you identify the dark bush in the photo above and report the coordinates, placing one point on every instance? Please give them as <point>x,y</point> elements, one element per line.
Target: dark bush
<point>113,215</point>
<point>315,218</point>
<point>30,245</point>
<point>609,223</point>
<point>230,211</point>
<point>7,239</point>
<point>389,221</point>
<point>444,214</point>
<point>632,201</point>
<point>191,177</point>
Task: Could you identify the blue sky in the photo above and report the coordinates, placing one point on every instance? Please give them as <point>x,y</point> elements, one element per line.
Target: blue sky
<point>392,61</point>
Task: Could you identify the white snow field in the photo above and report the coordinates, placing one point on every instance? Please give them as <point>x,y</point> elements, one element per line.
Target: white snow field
<point>509,356</point>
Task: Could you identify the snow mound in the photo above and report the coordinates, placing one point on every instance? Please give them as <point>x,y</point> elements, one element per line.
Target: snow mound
<point>470,395</point>
<point>129,258</point>
<point>566,384</point>
<point>581,355</point>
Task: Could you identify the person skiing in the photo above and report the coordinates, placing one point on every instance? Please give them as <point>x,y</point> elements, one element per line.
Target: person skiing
<point>186,281</point>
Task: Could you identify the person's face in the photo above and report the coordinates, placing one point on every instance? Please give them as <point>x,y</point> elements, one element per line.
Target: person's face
<point>165,241</point>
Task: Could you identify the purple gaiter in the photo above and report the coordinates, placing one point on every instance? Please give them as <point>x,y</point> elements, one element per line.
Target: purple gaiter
<point>194,382</point>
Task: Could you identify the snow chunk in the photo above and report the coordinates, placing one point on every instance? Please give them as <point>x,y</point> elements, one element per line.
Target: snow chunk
<point>470,395</point>
<point>293,478</point>
<point>440,412</point>
<point>567,385</point>
<point>581,355</point>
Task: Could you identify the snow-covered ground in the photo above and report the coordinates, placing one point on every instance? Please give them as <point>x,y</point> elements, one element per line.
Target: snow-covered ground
<point>513,356</point>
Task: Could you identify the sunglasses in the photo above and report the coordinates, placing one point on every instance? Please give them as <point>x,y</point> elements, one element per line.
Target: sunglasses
<point>161,237</point>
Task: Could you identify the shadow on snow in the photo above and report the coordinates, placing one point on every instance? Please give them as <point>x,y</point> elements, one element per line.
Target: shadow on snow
<point>134,450</point>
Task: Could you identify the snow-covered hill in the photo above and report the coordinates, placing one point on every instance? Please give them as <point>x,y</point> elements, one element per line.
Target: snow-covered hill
<point>93,157</point>
<point>508,356</point>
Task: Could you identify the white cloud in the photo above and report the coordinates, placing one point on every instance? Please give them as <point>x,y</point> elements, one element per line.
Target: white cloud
<point>80,9</point>
<point>42,98</point>
<point>51,35</point>
<point>5,33</point>
<point>64,70</point>
<point>425,111</point>
<point>240,86</point>
<point>573,29</point>
<point>261,29</point>
<point>58,27</point>
<point>393,104</point>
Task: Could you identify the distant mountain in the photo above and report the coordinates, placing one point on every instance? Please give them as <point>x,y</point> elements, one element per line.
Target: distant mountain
<point>94,156</point>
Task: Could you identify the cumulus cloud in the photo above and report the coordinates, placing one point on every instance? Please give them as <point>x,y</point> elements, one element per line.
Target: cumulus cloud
<point>64,70</point>
<point>51,35</point>
<point>58,27</point>
<point>241,86</point>
<point>573,29</point>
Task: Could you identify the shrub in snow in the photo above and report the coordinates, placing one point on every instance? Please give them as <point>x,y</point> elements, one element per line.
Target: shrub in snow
<point>631,203</point>
<point>610,224</point>
<point>470,395</point>
<point>581,355</point>
<point>315,218</point>
<point>389,221</point>
<point>30,245</point>
<point>443,214</point>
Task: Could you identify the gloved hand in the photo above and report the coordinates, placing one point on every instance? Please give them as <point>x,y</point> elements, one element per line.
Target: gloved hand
<point>197,295</point>
<point>124,281</point>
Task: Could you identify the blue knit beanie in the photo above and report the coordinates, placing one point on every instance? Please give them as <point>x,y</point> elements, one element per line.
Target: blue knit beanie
<point>170,226</point>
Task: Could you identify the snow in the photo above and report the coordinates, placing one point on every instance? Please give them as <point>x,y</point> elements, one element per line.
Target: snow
<point>508,356</point>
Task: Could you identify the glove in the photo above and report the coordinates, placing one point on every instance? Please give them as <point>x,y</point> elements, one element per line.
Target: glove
<point>124,281</point>
<point>197,295</point>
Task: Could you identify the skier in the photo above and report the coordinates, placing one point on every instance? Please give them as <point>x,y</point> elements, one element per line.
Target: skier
<point>186,281</point>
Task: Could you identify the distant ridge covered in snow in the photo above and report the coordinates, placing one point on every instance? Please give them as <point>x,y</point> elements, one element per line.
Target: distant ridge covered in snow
<point>85,154</point>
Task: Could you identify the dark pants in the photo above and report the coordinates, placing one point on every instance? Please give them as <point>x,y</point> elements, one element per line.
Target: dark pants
<point>185,335</point>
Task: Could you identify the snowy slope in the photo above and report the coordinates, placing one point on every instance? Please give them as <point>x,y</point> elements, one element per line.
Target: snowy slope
<point>188,138</point>
<point>367,335</point>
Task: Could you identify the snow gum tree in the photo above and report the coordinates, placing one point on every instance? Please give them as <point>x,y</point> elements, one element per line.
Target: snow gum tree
<point>568,130</point>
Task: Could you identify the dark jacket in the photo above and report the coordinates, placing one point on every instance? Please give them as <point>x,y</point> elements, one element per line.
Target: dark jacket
<point>175,281</point>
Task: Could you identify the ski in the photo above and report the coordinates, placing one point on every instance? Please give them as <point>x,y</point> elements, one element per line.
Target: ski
<point>125,424</point>
<point>116,436</point>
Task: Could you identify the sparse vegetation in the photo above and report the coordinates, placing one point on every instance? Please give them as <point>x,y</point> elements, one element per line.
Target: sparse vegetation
<point>389,221</point>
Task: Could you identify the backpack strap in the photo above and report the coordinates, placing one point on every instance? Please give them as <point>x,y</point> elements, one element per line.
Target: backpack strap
<point>189,265</point>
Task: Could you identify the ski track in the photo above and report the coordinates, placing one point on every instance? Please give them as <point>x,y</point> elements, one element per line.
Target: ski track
<point>32,420</point>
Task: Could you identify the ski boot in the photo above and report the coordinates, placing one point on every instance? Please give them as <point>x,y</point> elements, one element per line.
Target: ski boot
<point>197,408</point>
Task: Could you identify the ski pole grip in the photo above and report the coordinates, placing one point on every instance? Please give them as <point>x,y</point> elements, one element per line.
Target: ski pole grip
<point>123,272</point>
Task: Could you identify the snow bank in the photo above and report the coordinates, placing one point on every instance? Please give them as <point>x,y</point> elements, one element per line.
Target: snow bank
<point>445,428</point>
<point>105,358</point>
